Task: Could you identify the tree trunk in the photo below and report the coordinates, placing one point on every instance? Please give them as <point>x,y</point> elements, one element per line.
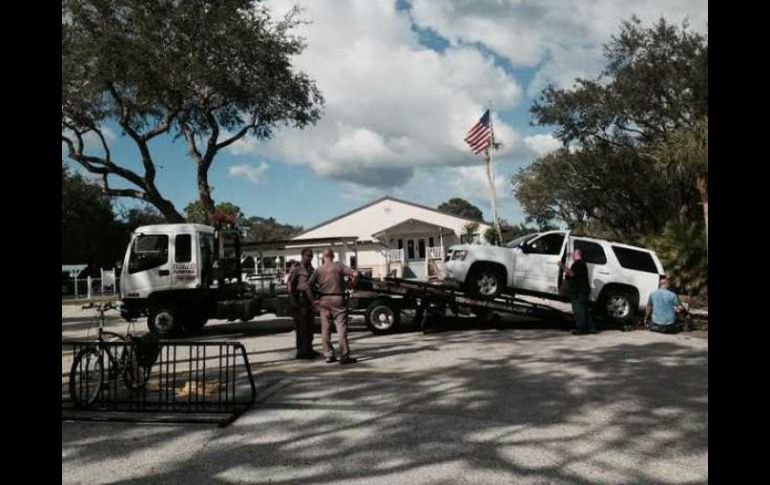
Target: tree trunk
<point>204,191</point>
<point>165,207</point>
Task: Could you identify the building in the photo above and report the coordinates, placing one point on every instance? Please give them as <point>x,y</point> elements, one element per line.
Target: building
<point>385,237</point>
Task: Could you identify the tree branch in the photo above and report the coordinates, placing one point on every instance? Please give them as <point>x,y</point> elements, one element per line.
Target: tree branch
<point>240,134</point>
<point>190,138</point>
<point>124,121</point>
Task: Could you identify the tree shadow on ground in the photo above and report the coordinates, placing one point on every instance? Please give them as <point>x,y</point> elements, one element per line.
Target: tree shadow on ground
<point>553,410</point>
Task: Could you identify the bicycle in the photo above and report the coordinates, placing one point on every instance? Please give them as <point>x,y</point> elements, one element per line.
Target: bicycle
<point>87,372</point>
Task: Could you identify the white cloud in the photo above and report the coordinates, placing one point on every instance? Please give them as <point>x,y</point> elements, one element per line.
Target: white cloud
<point>561,39</point>
<point>542,144</point>
<point>392,105</point>
<point>254,174</point>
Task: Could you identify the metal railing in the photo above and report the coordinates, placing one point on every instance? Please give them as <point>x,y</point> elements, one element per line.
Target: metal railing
<point>435,252</point>
<point>395,255</point>
<point>156,380</point>
<point>107,285</point>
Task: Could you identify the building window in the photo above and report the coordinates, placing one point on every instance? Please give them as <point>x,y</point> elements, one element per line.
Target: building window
<point>430,242</point>
<point>353,262</point>
<point>400,244</point>
<point>421,248</point>
<point>410,249</point>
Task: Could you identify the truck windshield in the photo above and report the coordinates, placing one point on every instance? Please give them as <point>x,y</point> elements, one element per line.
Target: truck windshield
<point>519,240</point>
<point>148,251</point>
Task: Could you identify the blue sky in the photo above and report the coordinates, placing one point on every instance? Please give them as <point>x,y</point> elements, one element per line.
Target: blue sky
<point>403,82</point>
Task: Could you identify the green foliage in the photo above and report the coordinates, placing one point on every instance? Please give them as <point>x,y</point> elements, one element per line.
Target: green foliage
<point>470,230</point>
<point>211,72</point>
<point>635,153</point>
<point>89,227</point>
<point>462,208</point>
<point>194,213</point>
<point>682,250</point>
<point>268,229</point>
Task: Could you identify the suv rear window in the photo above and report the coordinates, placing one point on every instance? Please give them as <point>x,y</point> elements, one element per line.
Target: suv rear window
<point>592,253</point>
<point>636,260</point>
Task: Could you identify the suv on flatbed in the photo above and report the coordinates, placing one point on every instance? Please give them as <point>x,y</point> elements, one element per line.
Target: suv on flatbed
<point>621,276</point>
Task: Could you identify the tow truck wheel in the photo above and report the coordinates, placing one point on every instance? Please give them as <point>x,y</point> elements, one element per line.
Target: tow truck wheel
<point>382,317</point>
<point>163,321</point>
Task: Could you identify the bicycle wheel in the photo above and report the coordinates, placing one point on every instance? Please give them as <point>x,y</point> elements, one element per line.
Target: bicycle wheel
<point>86,377</point>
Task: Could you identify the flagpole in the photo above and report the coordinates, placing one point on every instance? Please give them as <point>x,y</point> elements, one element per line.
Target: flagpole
<point>490,176</point>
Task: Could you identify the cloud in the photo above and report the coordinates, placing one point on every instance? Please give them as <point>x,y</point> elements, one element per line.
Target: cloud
<point>542,144</point>
<point>392,105</point>
<point>560,39</point>
<point>254,174</point>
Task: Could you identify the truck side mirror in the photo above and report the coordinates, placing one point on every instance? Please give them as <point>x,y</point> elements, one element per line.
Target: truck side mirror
<point>524,248</point>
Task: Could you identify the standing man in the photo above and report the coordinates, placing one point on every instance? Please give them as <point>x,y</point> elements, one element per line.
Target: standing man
<point>302,306</point>
<point>663,305</point>
<point>329,279</point>
<point>578,288</point>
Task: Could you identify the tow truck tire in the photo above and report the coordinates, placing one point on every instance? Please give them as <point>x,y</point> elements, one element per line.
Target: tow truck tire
<point>382,316</point>
<point>163,320</point>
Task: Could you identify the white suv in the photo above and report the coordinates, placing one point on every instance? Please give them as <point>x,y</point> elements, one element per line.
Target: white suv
<point>621,276</point>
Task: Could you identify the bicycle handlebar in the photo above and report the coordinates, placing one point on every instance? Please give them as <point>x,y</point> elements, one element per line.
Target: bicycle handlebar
<point>100,308</point>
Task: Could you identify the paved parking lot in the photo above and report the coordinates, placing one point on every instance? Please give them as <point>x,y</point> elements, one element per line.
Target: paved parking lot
<point>523,402</point>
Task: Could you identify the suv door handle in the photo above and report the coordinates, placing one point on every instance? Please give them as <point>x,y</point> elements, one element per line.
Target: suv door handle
<point>163,272</point>
<point>603,272</point>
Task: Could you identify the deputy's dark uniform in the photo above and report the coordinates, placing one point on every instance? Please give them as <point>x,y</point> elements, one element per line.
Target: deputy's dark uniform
<point>302,310</point>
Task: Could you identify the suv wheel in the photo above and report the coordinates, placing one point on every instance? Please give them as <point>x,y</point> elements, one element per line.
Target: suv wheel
<point>485,282</point>
<point>619,305</point>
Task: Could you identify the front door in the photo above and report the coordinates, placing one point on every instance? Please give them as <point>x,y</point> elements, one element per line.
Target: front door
<point>536,266</point>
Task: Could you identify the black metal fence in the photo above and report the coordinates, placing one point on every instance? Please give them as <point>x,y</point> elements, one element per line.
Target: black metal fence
<point>156,380</point>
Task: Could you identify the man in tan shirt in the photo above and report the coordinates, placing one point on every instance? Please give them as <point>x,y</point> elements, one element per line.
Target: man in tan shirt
<point>329,280</point>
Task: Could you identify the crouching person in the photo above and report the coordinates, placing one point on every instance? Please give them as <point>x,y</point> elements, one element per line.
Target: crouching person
<point>663,306</point>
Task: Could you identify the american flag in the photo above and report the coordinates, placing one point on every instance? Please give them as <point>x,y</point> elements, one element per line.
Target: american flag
<point>479,138</point>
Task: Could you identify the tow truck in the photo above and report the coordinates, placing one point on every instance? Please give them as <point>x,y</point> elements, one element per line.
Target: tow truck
<point>180,276</point>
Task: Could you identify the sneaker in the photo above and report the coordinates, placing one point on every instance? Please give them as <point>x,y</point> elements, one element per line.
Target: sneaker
<point>348,360</point>
<point>331,359</point>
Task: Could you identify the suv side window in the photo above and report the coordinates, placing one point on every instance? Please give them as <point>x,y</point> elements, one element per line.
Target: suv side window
<point>592,252</point>
<point>636,260</point>
<point>147,252</point>
<point>548,244</point>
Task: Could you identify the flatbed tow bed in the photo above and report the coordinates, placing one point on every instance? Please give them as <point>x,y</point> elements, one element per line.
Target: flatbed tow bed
<point>382,301</point>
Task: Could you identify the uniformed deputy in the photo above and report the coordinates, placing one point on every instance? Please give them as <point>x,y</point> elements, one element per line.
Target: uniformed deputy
<point>329,280</point>
<point>302,306</point>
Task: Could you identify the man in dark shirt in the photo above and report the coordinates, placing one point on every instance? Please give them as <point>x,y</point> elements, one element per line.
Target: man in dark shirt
<point>578,288</point>
<point>302,306</point>
<point>329,280</point>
